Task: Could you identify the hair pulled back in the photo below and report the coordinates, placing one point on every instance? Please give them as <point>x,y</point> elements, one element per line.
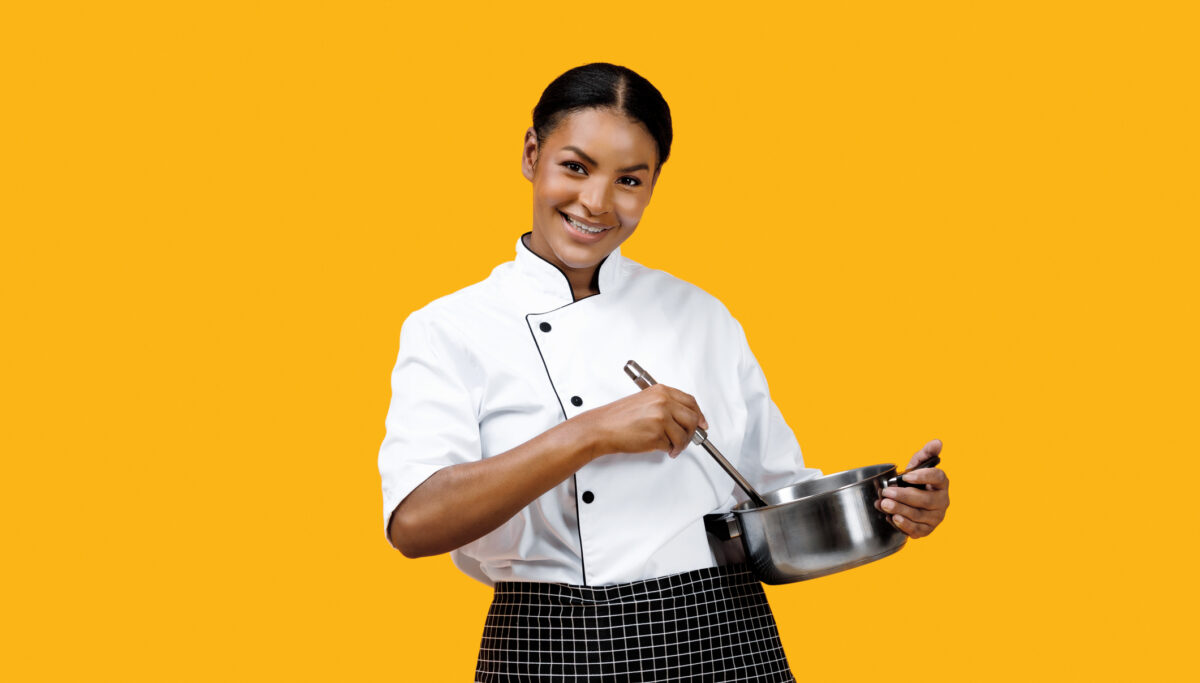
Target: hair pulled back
<point>605,86</point>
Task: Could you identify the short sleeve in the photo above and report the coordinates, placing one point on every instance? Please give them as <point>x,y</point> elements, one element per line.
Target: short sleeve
<point>431,420</point>
<point>767,433</point>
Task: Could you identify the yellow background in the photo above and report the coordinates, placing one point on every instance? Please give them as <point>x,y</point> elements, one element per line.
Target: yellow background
<point>970,221</point>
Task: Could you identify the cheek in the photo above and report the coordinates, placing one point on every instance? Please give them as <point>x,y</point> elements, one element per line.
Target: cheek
<point>630,209</point>
<point>554,191</point>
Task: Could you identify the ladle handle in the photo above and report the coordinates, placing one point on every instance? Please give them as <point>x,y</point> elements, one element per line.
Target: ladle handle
<point>644,381</point>
<point>898,480</point>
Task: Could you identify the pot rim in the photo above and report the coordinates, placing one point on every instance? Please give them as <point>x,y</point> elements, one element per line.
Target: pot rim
<point>890,468</point>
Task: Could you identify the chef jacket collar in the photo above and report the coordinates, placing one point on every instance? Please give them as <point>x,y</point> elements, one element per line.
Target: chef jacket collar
<point>549,279</point>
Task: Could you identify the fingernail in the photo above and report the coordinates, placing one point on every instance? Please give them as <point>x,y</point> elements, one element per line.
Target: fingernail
<point>898,518</point>
<point>890,492</point>
<point>888,505</point>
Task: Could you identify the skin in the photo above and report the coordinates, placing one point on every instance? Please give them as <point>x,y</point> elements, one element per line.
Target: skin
<point>461,503</point>
<point>599,167</point>
<point>917,511</point>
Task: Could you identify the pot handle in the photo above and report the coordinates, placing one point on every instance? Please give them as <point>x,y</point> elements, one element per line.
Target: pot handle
<point>723,525</point>
<point>898,480</point>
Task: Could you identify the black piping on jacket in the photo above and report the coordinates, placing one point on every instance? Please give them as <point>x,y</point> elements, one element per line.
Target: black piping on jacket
<point>596,286</point>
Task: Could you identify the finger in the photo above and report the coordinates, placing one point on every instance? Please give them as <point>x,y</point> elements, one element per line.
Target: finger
<point>931,449</point>
<point>930,517</point>
<point>668,400</point>
<point>911,528</point>
<point>686,418</point>
<point>917,498</point>
<point>689,401</point>
<point>930,476</point>
<point>678,437</point>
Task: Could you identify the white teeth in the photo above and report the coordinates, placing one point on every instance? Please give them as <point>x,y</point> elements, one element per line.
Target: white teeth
<point>581,226</point>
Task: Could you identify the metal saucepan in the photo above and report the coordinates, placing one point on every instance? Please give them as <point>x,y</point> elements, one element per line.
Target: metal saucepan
<point>806,530</point>
<point>814,528</point>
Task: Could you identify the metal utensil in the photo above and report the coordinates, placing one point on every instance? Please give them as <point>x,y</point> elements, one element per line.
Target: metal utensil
<point>700,437</point>
<point>816,527</point>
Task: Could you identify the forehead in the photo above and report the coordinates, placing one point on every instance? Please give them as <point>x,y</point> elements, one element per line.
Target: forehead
<point>606,136</point>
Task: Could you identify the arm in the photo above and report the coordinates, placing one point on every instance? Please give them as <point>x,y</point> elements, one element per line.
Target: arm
<point>775,459</point>
<point>460,503</point>
<point>916,511</point>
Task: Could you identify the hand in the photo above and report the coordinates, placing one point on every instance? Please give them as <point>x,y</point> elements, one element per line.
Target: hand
<point>659,418</point>
<point>917,511</point>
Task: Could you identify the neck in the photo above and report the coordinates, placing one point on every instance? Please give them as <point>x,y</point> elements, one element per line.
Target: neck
<point>581,283</point>
<point>580,279</point>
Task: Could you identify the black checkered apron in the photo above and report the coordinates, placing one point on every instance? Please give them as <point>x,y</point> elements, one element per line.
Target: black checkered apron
<point>705,625</point>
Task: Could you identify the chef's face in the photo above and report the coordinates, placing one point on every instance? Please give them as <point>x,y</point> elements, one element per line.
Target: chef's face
<point>592,178</point>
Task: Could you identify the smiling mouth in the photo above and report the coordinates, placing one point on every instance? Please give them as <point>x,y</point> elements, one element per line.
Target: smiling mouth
<point>587,229</point>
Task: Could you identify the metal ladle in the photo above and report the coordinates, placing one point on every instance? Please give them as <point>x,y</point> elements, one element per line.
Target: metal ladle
<point>699,437</point>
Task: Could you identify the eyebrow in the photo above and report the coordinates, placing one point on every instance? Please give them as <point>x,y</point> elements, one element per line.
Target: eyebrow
<point>627,169</point>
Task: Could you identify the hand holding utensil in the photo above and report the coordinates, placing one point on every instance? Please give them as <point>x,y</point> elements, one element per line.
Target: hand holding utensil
<point>700,437</point>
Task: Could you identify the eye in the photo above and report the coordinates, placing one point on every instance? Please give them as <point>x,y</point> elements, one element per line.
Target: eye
<point>633,182</point>
<point>575,166</point>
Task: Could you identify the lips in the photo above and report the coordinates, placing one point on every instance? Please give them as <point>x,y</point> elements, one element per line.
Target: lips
<point>583,227</point>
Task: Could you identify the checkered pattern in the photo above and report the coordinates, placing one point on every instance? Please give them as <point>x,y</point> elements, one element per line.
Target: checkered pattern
<point>705,625</point>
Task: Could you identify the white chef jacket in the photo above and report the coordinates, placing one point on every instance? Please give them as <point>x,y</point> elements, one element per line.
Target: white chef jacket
<point>493,365</point>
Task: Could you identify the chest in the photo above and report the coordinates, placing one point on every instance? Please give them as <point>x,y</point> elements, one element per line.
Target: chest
<point>538,368</point>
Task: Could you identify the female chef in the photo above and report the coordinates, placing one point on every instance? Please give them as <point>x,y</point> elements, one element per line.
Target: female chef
<point>516,442</point>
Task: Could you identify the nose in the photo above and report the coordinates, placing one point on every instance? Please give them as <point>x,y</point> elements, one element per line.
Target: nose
<point>595,196</point>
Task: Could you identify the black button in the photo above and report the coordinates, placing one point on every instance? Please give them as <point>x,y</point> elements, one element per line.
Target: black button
<point>544,327</point>
<point>576,401</point>
<point>588,497</point>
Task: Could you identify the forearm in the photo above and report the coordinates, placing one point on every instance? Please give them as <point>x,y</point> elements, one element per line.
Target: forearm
<point>461,503</point>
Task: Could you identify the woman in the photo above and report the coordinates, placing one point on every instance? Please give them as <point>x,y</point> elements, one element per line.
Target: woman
<point>516,442</point>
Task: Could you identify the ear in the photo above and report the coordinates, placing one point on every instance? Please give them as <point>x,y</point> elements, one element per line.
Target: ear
<point>529,154</point>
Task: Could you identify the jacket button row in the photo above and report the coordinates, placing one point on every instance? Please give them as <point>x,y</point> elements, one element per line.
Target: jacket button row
<point>544,327</point>
<point>576,401</point>
<point>588,496</point>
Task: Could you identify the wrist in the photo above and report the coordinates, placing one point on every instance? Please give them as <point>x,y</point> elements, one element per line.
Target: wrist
<point>584,439</point>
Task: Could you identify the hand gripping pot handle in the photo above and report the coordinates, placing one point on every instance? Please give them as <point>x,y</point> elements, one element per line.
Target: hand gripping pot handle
<point>898,480</point>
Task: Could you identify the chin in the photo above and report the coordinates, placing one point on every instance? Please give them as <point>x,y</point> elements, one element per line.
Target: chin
<point>574,254</point>
<point>583,257</point>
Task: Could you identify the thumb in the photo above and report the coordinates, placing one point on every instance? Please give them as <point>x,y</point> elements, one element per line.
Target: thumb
<point>931,449</point>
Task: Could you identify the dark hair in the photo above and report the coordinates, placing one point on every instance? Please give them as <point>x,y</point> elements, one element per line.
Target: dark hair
<point>605,86</point>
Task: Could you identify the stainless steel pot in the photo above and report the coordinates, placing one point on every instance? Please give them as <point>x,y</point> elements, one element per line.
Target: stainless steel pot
<point>810,529</point>
<point>814,528</point>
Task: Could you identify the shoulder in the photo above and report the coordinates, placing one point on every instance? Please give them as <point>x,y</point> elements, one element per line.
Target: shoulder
<point>454,304</point>
<point>442,328</point>
<point>455,312</point>
<point>667,289</point>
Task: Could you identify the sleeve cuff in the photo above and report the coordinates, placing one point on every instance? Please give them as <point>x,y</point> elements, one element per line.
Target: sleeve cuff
<point>395,491</point>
